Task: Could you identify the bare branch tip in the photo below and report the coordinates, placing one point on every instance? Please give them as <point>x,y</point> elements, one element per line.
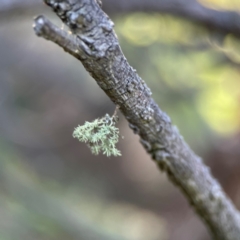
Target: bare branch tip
<point>38,24</point>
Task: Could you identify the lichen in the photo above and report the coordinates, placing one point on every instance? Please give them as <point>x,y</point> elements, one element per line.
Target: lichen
<point>101,135</point>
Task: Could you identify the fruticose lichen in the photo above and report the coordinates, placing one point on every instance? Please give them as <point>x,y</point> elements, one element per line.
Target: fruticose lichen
<point>101,135</point>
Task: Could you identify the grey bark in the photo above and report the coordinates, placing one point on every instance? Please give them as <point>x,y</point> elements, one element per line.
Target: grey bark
<point>94,42</point>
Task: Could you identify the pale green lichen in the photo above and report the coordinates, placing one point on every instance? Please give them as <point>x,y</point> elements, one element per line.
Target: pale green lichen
<point>101,135</point>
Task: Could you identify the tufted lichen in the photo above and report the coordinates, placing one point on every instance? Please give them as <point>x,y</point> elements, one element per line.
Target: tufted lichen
<point>101,135</point>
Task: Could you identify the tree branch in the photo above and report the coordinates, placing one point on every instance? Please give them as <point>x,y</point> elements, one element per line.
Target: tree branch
<point>221,21</point>
<point>94,42</point>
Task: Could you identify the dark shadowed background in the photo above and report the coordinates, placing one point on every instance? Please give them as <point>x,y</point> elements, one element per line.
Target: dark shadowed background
<point>52,187</point>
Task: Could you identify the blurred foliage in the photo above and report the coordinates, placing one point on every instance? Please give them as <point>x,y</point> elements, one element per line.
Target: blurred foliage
<point>231,48</point>
<point>232,5</point>
<point>36,208</point>
<point>143,30</point>
<point>195,70</point>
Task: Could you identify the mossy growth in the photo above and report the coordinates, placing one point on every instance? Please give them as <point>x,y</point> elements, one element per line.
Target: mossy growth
<point>101,135</point>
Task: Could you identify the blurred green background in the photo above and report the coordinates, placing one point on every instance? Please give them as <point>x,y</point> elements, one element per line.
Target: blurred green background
<point>52,187</point>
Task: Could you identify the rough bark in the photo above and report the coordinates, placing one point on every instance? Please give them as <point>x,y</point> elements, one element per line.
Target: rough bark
<point>94,42</point>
